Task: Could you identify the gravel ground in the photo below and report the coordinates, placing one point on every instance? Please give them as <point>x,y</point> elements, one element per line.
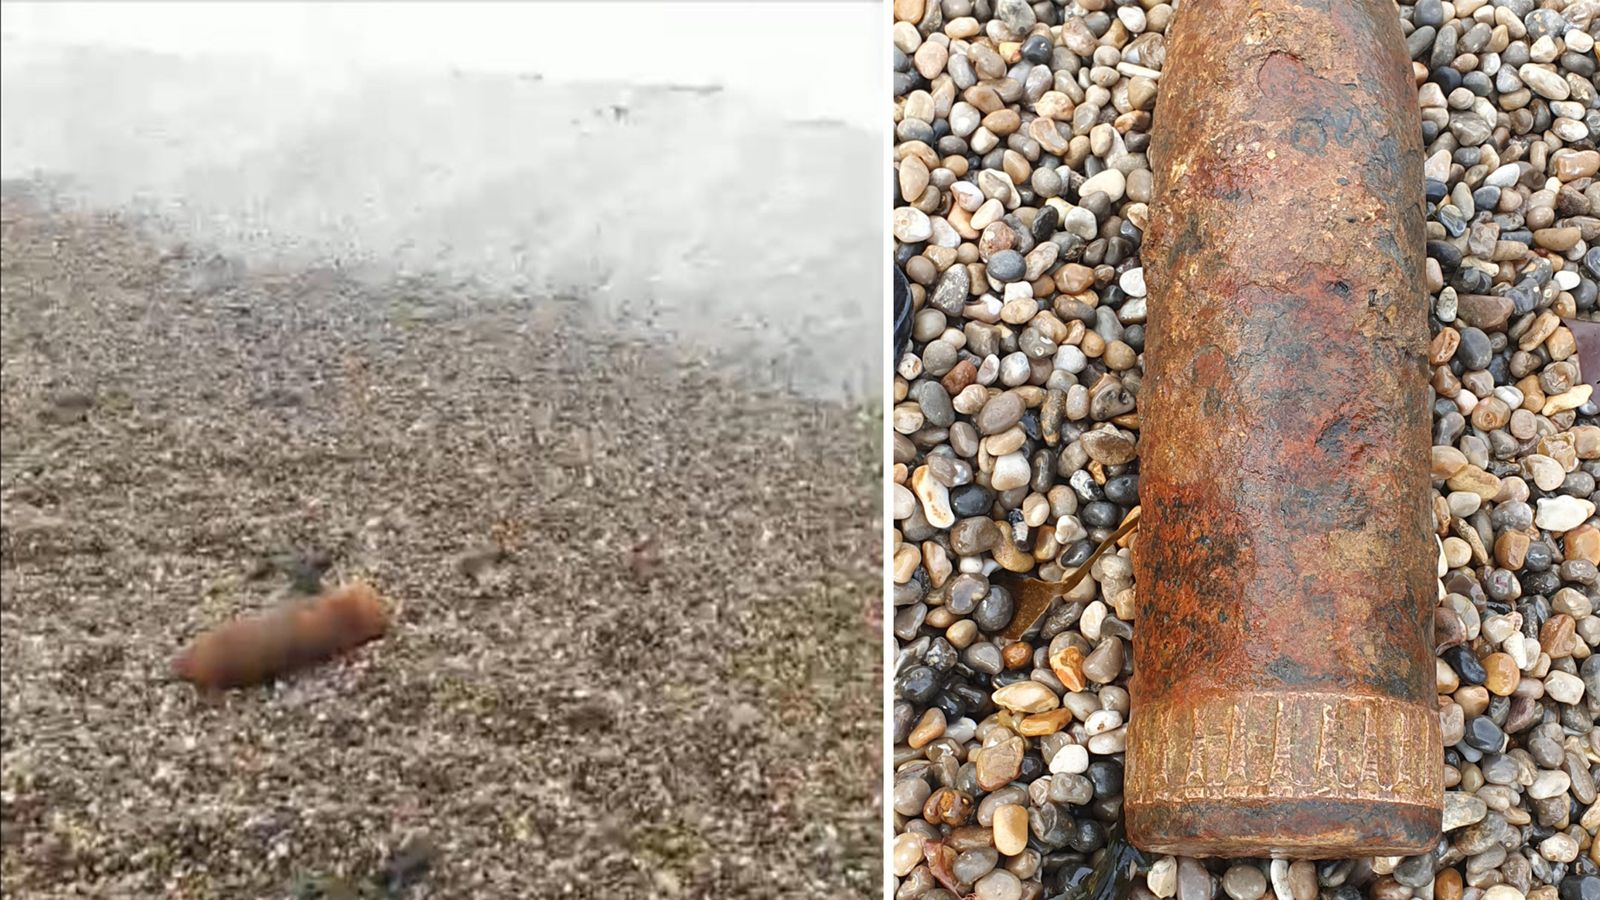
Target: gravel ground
<point>629,659</point>
<point>1020,134</point>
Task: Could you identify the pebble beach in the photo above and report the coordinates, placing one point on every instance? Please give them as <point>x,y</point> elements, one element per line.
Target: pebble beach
<point>630,655</point>
<point>1022,187</point>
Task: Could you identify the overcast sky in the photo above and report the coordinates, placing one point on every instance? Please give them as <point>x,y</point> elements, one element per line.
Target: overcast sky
<point>813,59</point>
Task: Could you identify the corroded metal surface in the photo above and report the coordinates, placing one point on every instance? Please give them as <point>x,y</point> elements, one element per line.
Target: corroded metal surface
<point>297,634</point>
<point>1283,685</point>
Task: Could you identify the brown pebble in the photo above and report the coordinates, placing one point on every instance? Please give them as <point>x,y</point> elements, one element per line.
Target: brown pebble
<point>929,729</point>
<point>1073,278</point>
<point>1571,164</point>
<point>1544,325</point>
<point>1120,357</point>
<point>1447,885</point>
<point>1017,655</point>
<point>1011,829</point>
<point>1582,542</point>
<point>1443,346</point>
<point>1386,888</point>
<point>1586,441</point>
<point>1491,413</point>
<point>1067,664</point>
<point>1558,239</point>
<point>1503,675</point>
<point>1447,461</point>
<point>1473,699</point>
<point>1523,423</point>
<point>1474,479</point>
<point>1511,549</point>
<point>913,178</point>
<point>1041,724</point>
<point>1486,311</point>
<point>970,537</point>
<point>1006,121</point>
<point>999,764</point>
<point>947,806</point>
<point>1557,634</point>
<point>1303,879</point>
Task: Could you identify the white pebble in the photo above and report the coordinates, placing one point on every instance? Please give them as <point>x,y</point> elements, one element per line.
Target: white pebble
<point>905,502</point>
<point>1463,503</point>
<point>911,224</point>
<point>1279,875</point>
<point>1567,279</point>
<point>961,730</point>
<point>1559,847</point>
<point>1503,892</point>
<point>1566,109</point>
<point>1545,472</point>
<point>1080,221</point>
<point>1503,177</point>
<point>1574,603</point>
<point>1545,82</point>
<point>907,852</point>
<point>1162,879</point>
<point>1570,130</point>
<point>1101,721</point>
<point>1089,623</point>
<point>1552,783</point>
<point>1111,742</point>
<point>1562,514</point>
<point>998,885</point>
<point>967,195</point>
<point>935,498</point>
<point>1010,471</point>
<point>1130,70</point>
<point>1071,359</point>
<point>1073,759</point>
<point>1563,687</point>
<point>1111,182</point>
<point>1497,628</point>
<point>1516,646</point>
<point>1445,307</point>
<point>1579,41</point>
<point>1069,529</point>
<point>1508,394</point>
<point>1437,166</point>
<point>1132,281</point>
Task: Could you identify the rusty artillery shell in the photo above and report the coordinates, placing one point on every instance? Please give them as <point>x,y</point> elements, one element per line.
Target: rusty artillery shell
<point>299,633</point>
<point>1283,682</point>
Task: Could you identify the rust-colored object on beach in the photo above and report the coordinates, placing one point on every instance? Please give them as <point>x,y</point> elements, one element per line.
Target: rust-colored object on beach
<point>299,633</point>
<point>1283,689</point>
